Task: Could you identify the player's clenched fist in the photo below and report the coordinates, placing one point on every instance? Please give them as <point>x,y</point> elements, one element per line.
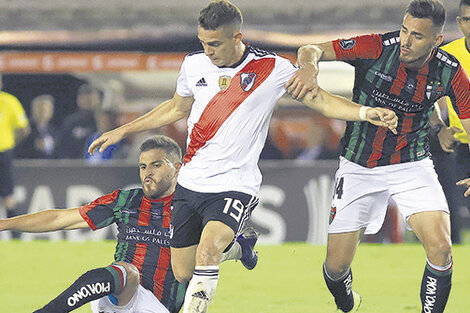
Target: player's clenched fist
<point>382,117</point>
<point>107,139</point>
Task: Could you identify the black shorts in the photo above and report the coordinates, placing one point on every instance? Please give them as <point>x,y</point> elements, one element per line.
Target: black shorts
<point>6,173</point>
<point>192,210</point>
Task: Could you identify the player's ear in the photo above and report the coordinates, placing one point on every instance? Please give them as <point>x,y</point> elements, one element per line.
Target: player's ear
<point>178,167</point>
<point>438,40</point>
<point>238,37</point>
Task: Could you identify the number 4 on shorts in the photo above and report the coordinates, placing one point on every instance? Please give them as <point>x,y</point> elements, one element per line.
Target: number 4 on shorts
<point>339,187</point>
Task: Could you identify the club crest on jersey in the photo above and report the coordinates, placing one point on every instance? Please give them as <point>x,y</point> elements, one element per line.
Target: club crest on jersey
<point>434,90</point>
<point>332,214</point>
<point>224,82</point>
<point>247,80</point>
<point>347,44</point>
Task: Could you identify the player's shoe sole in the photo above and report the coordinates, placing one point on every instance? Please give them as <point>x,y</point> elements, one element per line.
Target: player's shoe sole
<point>247,240</point>
<point>357,303</point>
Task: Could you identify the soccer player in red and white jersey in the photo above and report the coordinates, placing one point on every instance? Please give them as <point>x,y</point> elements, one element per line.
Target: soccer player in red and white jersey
<point>228,92</point>
<point>406,72</point>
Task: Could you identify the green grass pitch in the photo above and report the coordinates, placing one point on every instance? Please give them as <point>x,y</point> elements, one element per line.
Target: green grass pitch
<point>287,279</point>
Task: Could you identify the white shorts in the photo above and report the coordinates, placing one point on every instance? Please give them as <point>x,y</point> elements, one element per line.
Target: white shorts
<point>361,194</point>
<point>143,301</point>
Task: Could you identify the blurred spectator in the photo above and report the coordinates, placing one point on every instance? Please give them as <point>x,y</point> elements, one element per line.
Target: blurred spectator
<point>40,144</point>
<point>317,144</point>
<point>13,128</point>
<point>302,135</point>
<point>105,121</point>
<point>79,126</point>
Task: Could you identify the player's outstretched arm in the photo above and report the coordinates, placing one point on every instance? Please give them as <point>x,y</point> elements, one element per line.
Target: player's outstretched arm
<point>45,221</point>
<point>166,113</point>
<point>304,81</point>
<point>337,107</point>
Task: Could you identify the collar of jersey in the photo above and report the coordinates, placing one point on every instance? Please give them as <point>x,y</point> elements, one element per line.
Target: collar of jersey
<point>163,199</point>
<point>433,54</point>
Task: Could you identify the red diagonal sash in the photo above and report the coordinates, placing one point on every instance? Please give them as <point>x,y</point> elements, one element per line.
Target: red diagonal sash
<point>224,103</point>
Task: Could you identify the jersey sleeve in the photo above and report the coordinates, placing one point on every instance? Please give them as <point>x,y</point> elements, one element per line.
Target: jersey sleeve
<point>358,48</point>
<point>182,86</point>
<point>19,119</point>
<point>100,212</point>
<point>284,71</point>
<point>459,93</point>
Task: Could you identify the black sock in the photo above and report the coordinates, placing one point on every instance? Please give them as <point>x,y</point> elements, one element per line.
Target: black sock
<point>341,290</point>
<point>435,289</point>
<point>90,286</point>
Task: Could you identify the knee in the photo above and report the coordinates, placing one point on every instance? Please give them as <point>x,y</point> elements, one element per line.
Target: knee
<point>182,275</point>
<point>132,274</point>
<point>439,252</point>
<point>336,269</point>
<point>182,270</point>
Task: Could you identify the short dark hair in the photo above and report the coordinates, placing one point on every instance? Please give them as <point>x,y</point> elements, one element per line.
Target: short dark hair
<point>462,3</point>
<point>172,149</point>
<point>432,9</point>
<point>220,13</point>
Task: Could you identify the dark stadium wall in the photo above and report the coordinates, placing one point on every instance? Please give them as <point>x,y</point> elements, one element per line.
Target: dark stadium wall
<point>294,200</point>
<point>63,87</point>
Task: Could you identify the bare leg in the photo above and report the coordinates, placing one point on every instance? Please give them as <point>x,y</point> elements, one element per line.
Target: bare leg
<point>433,230</point>
<point>183,261</point>
<point>215,237</point>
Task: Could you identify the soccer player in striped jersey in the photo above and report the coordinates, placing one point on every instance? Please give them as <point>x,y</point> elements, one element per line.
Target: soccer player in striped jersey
<point>228,93</point>
<point>406,72</point>
<point>141,278</point>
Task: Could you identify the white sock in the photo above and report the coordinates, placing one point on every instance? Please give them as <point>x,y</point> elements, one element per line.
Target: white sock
<point>201,289</point>
<point>234,253</point>
<point>440,268</point>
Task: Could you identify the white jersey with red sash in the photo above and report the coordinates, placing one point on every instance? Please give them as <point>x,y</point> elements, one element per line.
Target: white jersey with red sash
<point>229,119</point>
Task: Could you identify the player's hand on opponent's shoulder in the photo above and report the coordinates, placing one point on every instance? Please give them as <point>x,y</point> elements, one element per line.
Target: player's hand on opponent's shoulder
<point>382,117</point>
<point>446,138</point>
<point>106,139</point>
<point>465,182</point>
<point>303,83</point>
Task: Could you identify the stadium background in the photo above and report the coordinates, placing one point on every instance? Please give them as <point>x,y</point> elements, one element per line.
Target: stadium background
<point>132,51</point>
